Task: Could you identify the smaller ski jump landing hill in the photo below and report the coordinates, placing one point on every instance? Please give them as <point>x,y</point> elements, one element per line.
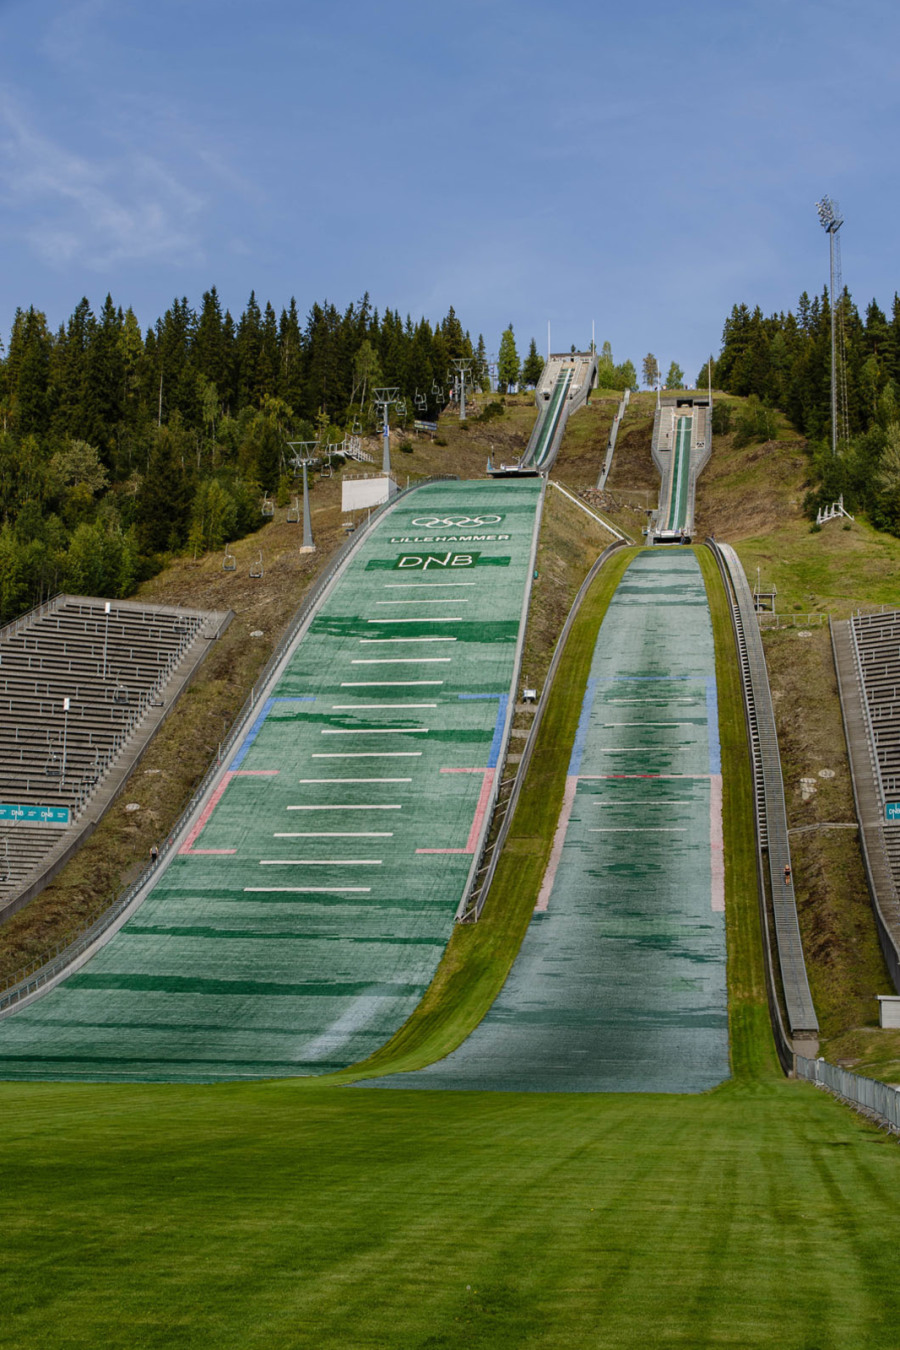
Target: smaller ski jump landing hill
<point>302,915</point>
<point>681,447</point>
<point>620,982</point>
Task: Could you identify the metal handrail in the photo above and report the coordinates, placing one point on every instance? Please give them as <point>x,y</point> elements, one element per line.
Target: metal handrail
<point>876,1098</point>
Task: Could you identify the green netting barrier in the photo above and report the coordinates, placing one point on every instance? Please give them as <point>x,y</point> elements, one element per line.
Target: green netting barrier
<point>298,927</point>
<point>620,983</point>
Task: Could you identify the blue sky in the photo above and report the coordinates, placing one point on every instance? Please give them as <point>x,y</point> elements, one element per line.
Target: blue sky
<point>644,166</point>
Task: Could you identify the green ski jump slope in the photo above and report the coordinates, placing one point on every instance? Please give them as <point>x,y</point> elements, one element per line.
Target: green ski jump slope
<point>680,476</point>
<point>620,983</point>
<point>542,438</point>
<point>305,912</point>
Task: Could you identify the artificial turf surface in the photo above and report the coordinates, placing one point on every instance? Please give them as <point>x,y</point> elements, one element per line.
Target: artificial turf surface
<point>300,1214</point>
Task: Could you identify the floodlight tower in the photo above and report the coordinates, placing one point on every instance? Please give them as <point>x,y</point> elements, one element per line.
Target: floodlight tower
<point>304,455</point>
<point>463,365</point>
<point>383,398</point>
<point>831,220</point>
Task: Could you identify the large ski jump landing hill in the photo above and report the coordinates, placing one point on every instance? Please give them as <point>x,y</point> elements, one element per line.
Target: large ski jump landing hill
<point>302,917</point>
<point>620,983</point>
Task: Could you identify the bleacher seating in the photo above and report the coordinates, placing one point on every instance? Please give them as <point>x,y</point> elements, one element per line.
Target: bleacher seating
<point>113,668</point>
<point>877,639</point>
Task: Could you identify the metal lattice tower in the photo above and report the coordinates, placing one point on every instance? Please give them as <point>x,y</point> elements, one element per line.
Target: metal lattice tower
<point>383,398</point>
<point>831,220</point>
<point>305,453</point>
<point>463,365</point>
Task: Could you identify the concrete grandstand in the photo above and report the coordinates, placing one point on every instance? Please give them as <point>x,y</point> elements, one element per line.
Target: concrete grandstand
<point>84,684</point>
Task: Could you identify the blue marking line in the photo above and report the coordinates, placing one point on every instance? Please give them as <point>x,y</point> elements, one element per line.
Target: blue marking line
<point>581,734</point>
<point>712,717</point>
<point>258,726</point>
<point>497,742</point>
<point>481,695</point>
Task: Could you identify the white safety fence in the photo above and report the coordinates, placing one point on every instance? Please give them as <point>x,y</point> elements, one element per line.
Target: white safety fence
<point>879,1098</point>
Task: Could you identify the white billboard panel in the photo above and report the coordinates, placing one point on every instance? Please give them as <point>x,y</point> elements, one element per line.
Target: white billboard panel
<point>358,494</point>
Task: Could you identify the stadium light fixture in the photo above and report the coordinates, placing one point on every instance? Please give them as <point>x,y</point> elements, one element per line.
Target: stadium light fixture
<point>831,220</point>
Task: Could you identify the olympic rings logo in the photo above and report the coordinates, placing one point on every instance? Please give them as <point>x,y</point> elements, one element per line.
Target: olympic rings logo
<point>430,522</point>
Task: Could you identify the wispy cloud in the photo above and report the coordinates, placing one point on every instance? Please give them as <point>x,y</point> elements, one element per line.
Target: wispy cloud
<point>115,206</point>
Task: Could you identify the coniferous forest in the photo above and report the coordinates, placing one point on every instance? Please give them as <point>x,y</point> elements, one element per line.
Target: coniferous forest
<point>119,446</point>
<point>784,362</point>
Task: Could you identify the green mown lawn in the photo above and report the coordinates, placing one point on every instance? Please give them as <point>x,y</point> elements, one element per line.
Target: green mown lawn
<point>301,1214</point>
<point>763,1214</point>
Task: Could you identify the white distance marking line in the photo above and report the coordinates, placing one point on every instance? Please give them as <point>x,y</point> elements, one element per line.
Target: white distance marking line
<point>358,707</point>
<point>367,754</point>
<point>370,642</point>
<point>320,862</point>
<point>429,585</point>
<point>333,834</point>
<point>349,806</point>
<point>632,749</point>
<point>354,780</point>
<point>637,829</point>
<point>460,600</point>
<point>384,684</point>
<point>372,731</point>
<point>402,660</point>
<point>308,890</point>
<point>655,801</point>
<point>455,618</point>
<point>649,724</point>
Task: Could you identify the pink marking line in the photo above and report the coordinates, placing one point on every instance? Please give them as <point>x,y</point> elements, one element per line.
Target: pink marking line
<point>559,838</point>
<point>481,807</point>
<point>716,843</point>
<point>197,829</point>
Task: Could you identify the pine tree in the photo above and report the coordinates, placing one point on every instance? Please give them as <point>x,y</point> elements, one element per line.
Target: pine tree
<point>508,360</point>
<point>650,370</point>
<point>533,367</point>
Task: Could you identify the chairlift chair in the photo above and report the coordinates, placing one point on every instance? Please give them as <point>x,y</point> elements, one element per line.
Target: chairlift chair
<point>293,514</point>
<point>268,506</point>
<point>256,569</point>
<point>229,562</point>
<point>120,693</point>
